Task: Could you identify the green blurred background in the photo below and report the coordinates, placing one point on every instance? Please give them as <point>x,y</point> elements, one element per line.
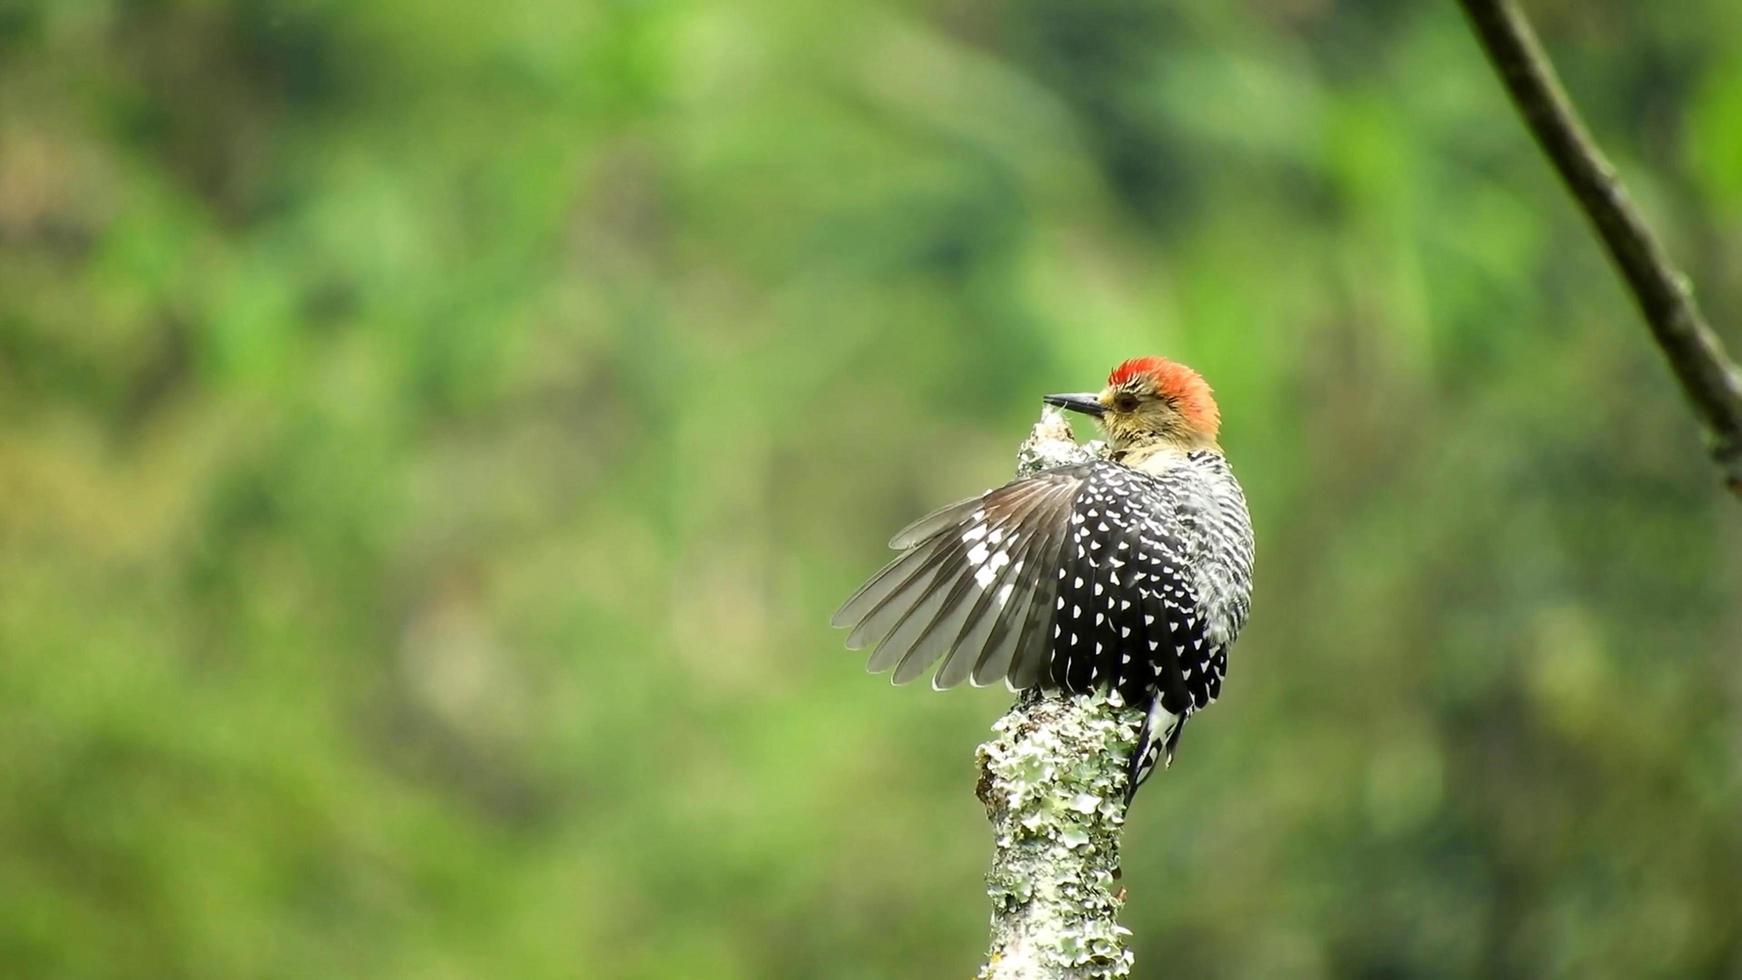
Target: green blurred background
<point>434,436</point>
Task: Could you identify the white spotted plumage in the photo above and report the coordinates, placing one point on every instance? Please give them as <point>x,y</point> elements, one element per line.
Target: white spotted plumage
<point>1150,583</point>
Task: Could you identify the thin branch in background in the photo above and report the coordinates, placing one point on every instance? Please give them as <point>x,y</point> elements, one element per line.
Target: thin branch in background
<point>1708,377</point>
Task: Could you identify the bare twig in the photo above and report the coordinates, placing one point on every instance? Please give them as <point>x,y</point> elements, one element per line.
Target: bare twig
<point>1708,377</point>
<point>1053,781</point>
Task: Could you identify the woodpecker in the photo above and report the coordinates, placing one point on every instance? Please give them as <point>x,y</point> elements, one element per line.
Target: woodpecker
<point>1131,573</point>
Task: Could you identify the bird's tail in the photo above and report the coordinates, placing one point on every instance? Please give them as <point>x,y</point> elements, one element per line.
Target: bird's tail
<point>1156,741</point>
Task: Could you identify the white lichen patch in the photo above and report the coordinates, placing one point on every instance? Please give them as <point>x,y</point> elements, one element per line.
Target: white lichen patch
<point>1050,443</point>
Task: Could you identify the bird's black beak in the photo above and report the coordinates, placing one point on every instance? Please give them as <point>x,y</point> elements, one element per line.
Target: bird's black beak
<point>1086,402</point>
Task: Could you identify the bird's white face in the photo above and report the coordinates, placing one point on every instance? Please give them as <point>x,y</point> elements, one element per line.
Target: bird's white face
<point>1134,414</point>
<point>1151,402</point>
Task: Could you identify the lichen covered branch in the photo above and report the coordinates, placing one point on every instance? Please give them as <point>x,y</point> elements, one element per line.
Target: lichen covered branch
<point>1053,781</point>
<point>1710,380</point>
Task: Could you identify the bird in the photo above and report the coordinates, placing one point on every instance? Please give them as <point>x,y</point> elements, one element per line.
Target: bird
<point>1130,573</point>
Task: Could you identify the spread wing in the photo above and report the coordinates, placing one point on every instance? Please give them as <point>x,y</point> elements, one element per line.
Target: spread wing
<point>1074,578</point>
<point>971,586</point>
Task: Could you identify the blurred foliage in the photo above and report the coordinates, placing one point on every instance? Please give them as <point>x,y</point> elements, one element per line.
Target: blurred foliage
<point>433,437</point>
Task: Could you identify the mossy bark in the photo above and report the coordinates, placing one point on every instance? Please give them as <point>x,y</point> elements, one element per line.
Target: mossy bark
<point>1053,781</point>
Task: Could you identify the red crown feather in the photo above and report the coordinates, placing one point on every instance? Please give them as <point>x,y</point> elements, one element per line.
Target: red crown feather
<point>1172,380</point>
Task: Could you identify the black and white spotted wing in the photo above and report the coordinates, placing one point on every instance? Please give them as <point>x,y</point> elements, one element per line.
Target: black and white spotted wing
<point>967,588</point>
<point>1075,578</point>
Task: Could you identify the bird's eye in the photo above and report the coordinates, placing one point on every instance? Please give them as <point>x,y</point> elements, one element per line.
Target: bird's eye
<point>1124,402</point>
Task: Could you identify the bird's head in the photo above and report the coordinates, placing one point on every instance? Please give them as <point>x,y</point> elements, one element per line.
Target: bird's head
<point>1151,401</point>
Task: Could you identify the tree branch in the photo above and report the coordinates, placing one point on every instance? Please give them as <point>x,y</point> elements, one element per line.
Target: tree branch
<point>1053,781</point>
<point>1708,377</point>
